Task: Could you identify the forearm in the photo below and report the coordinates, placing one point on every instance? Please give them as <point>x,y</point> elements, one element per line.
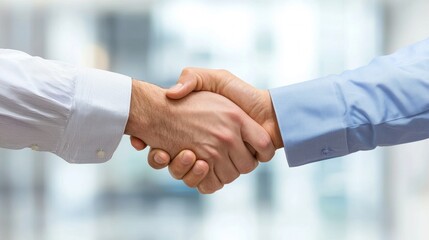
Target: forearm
<point>136,120</point>
<point>149,113</point>
<point>76,113</point>
<point>383,103</point>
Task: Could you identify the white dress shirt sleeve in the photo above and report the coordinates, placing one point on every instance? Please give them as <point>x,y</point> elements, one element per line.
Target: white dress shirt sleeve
<point>76,113</point>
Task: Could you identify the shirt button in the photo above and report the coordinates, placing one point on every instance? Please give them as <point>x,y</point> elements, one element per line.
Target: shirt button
<point>327,151</point>
<point>35,147</point>
<point>101,154</point>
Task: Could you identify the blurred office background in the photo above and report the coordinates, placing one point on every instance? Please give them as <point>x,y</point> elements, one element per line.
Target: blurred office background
<point>381,194</point>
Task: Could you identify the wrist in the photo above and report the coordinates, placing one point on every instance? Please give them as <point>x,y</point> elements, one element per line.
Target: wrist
<point>146,100</point>
<point>271,121</point>
<point>133,117</point>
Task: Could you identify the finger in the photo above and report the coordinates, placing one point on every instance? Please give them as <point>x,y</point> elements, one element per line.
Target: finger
<point>210,184</point>
<point>250,148</point>
<point>226,171</point>
<point>256,136</point>
<point>217,81</point>
<point>197,174</point>
<point>182,164</point>
<point>158,158</point>
<point>221,163</point>
<point>242,158</point>
<point>187,83</point>
<point>137,143</point>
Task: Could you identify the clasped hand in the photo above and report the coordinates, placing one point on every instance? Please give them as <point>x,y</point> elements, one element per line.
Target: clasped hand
<point>214,125</point>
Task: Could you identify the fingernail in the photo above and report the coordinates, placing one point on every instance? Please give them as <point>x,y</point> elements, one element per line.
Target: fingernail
<point>198,170</point>
<point>158,159</point>
<point>186,160</point>
<point>176,87</point>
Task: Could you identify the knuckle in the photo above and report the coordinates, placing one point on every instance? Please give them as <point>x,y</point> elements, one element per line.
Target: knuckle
<point>187,71</point>
<point>175,173</point>
<point>212,153</point>
<point>219,187</point>
<point>200,169</point>
<point>190,183</point>
<point>210,191</point>
<point>227,137</point>
<point>267,148</point>
<point>204,189</point>
<point>201,190</point>
<point>235,116</point>
<point>209,188</point>
<point>224,72</point>
<point>248,167</point>
<point>265,143</point>
<point>231,178</point>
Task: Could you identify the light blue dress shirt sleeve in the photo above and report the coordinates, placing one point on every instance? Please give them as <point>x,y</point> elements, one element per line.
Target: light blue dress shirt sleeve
<point>381,104</point>
<point>76,113</point>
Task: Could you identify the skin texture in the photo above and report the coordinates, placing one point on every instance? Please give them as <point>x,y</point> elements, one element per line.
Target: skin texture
<point>218,134</point>
<point>256,103</point>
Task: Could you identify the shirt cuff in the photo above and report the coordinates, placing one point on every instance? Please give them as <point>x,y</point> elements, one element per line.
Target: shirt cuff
<point>311,120</point>
<point>98,118</point>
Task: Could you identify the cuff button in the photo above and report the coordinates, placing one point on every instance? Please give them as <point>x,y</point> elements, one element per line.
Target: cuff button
<point>101,154</point>
<point>35,147</point>
<point>327,151</point>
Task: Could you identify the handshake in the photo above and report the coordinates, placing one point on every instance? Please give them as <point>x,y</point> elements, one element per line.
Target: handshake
<point>208,129</point>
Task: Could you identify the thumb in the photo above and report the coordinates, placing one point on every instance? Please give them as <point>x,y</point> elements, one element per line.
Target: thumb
<point>158,158</point>
<point>217,81</point>
<point>259,140</point>
<point>185,85</point>
<point>137,143</point>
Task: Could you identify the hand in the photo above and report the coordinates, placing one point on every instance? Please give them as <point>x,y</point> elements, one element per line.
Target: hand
<point>180,167</point>
<point>208,124</point>
<point>257,103</point>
